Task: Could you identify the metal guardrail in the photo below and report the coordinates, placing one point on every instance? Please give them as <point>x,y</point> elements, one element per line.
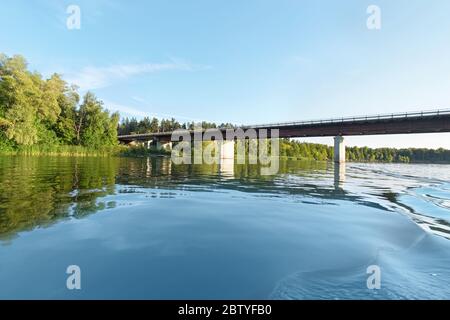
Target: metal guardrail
<point>138,135</point>
<point>387,116</point>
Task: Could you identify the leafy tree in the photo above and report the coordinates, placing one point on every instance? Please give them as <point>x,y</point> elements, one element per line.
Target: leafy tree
<point>35,110</point>
<point>66,126</point>
<point>19,100</point>
<point>97,127</point>
<point>154,125</point>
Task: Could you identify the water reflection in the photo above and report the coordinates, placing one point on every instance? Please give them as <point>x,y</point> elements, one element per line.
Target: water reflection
<point>39,191</point>
<point>222,232</point>
<point>339,175</point>
<point>226,168</point>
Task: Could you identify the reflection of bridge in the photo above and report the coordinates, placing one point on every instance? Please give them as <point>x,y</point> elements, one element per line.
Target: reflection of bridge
<point>396,123</point>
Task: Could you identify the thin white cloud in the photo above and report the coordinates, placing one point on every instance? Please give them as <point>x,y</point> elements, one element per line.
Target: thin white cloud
<point>125,110</point>
<point>128,111</point>
<point>90,78</point>
<point>138,99</point>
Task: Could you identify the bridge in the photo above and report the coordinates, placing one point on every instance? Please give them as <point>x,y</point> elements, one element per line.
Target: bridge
<point>395,123</point>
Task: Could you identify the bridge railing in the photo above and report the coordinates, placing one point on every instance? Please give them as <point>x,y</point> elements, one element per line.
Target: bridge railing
<point>386,116</point>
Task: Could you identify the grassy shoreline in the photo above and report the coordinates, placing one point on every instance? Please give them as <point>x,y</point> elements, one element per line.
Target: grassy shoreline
<point>139,152</point>
<point>80,151</point>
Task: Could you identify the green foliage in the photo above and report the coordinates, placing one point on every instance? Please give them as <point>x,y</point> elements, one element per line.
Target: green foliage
<point>37,204</point>
<point>305,151</point>
<point>147,125</point>
<point>141,151</point>
<point>5,143</point>
<point>311,151</point>
<point>65,126</point>
<point>46,112</point>
<point>398,155</point>
<point>65,150</point>
<point>19,100</point>
<point>132,126</point>
<point>97,126</point>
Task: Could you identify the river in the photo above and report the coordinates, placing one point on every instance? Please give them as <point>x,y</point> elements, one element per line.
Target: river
<point>148,229</point>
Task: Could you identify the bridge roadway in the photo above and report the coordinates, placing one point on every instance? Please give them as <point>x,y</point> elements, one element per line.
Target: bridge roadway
<point>396,123</point>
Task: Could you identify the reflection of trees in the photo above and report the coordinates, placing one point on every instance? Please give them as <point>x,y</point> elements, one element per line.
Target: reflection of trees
<point>312,178</point>
<point>37,191</point>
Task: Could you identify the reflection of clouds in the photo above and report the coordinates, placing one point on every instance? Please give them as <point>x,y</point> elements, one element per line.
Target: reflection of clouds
<point>119,231</point>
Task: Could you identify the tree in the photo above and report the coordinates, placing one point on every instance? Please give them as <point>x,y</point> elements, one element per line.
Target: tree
<point>97,127</point>
<point>66,126</point>
<point>19,100</point>
<point>144,125</point>
<point>47,111</point>
<point>154,125</point>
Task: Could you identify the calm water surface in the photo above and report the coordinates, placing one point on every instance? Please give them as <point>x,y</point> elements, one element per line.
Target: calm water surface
<point>147,229</point>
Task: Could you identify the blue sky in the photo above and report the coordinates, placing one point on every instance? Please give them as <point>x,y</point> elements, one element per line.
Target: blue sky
<point>245,62</point>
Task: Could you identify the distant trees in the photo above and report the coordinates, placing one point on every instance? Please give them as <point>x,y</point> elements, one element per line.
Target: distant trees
<point>307,151</point>
<point>398,155</point>
<point>34,110</point>
<point>147,125</point>
<point>311,151</point>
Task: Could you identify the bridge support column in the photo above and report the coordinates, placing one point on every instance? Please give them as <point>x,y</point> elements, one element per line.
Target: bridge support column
<point>339,149</point>
<point>167,146</point>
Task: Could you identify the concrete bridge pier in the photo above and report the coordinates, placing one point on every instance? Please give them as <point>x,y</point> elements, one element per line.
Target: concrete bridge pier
<point>159,144</point>
<point>167,146</point>
<point>339,149</point>
<point>156,144</point>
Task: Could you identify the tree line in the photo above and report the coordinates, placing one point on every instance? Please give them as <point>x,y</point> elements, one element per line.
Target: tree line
<point>153,125</point>
<point>312,151</point>
<point>38,111</point>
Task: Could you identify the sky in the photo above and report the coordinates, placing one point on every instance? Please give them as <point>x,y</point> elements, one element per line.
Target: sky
<point>244,62</point>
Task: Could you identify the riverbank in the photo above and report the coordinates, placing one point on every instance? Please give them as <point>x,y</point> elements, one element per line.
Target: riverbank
<point>64,150</point>
<point>80,151</point>
<point>139,151</point>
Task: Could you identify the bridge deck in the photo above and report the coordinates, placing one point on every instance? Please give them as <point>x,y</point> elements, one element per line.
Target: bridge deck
<point>395,123</point>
